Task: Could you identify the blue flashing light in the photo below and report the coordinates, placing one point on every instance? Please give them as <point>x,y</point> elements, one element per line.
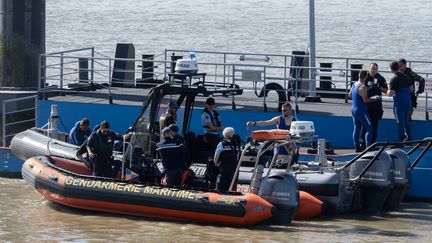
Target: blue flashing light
<point>192,55</point>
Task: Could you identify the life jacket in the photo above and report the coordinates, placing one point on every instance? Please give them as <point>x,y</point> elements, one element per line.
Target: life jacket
<point>229,154</point>
<point>215,120</point>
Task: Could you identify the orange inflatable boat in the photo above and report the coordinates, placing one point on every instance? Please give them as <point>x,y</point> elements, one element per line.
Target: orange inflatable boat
<point>69,183</point>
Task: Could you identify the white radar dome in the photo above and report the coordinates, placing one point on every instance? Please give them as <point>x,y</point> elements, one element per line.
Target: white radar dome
<point>187,65</point>
<point>302,128</point>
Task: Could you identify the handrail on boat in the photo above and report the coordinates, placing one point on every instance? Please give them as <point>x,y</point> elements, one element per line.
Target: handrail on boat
<point>6,123</point>
<point>381,146</point>
<point>220,68</point>
<point>128,145</point>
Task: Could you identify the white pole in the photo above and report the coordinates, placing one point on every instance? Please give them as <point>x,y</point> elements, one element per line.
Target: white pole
<point>312,72</point>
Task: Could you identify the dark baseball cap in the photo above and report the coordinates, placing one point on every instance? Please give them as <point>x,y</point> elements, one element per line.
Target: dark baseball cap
<point>210,101</point>
<point>172,104</point>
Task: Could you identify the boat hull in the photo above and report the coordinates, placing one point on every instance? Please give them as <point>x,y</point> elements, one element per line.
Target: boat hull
<point>107,195</point>
<point>31,143</point>
<point>420,186</point>
<point>10,165</point>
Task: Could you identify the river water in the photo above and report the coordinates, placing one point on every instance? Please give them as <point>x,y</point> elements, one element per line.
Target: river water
<point>362,29</point>
<point>26,216</point>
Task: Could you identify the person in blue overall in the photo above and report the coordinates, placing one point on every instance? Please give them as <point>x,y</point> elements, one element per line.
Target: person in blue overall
<point>173,156</point>
<point>226,157</point>
<point>412,78</point>
<point>281,122</point>
<point>80,132</point>
<point>358,93</point>
<point>400,91</point>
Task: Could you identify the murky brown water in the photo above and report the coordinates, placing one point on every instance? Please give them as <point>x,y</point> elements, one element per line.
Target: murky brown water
<point>25,216</point>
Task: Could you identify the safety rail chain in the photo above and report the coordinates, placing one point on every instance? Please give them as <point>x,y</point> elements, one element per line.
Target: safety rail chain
<point>288,75</point>
<point>6,114</point>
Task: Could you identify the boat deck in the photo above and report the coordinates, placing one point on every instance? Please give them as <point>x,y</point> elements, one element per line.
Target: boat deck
<point>246,102</point>
<point>332,116</point>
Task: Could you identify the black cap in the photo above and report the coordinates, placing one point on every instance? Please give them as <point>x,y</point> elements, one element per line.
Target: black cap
<point>172,104</point>
<point>210,101</point>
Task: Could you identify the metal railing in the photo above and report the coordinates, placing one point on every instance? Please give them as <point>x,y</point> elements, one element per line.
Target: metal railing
<point>18,117</point>
<point>69,70</point>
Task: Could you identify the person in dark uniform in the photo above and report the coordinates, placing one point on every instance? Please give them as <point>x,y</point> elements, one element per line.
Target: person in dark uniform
<point>412,78</point>
<point>211,123</point>
<point>226,158</point>
<point>361,118</point>
<point>100,148</point>
<point>174,158</point>
<point>400,91</point>
<point>80,132</point>
<point>175,132</point>
<point>179,139</point>
<point>376,85</point>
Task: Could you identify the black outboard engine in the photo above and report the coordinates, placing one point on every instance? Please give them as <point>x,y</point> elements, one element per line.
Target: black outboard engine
<point>281,190</point>
<point>402,176</point>
<point>375,185</point>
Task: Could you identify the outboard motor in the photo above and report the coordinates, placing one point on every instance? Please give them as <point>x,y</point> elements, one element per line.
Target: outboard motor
<point>281,190</point>
<point>402,176</point>
<point>375,185</point>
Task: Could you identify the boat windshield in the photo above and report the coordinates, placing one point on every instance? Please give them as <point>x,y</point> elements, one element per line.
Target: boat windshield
<point>143,122</point>
<point>147,126</point>
<point>142,137</point>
